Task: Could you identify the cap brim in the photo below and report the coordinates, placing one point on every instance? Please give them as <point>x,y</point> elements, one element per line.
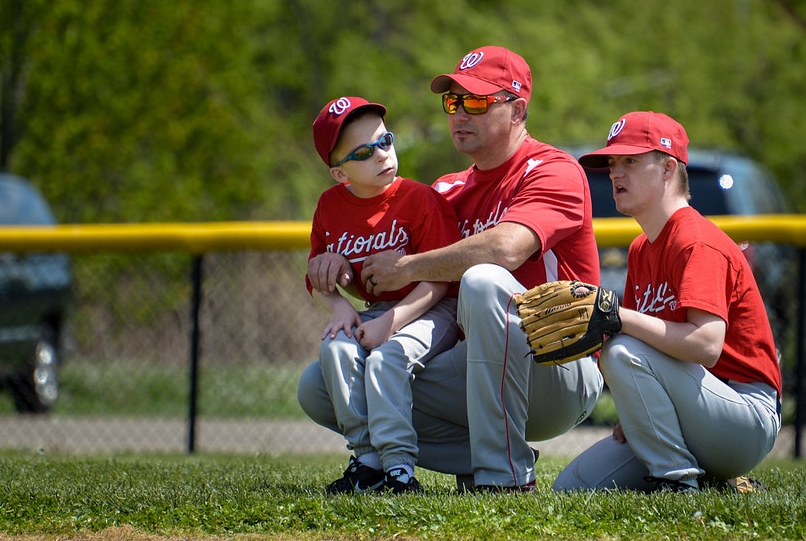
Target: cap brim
<point>381,110</point>
<point>598,158</point>
<point>442,83</point>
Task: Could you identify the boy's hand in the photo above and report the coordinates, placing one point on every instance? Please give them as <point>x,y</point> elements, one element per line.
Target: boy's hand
<point>374,332</point>
<point>324,270</point>
<point>342,318</point>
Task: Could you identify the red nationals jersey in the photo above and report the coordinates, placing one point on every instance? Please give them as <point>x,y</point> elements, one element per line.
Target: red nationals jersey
<point>542,188</point>
<point>408,217</point>
<point>694,264</point>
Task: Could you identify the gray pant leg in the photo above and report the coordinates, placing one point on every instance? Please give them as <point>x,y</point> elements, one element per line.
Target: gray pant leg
<point>313,398</point>
<point>366,396</point>
<point>342,363</point>
<point>389,369</point>
<point>606,465</point>
<point>439,412</point>
<point>680,420</point>
<point>505,386</point>
<point>561,397</point>
<point>332,390</point>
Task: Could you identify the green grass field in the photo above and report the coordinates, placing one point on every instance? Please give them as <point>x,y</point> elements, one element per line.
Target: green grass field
<point>211,497</point>
<point>269,498</point>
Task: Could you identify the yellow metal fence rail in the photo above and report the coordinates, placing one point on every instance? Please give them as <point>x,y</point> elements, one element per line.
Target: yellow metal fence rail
<point>198,238</point>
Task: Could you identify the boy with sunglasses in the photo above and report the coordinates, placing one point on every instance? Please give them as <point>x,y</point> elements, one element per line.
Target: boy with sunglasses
<point>367,358</point>
<point>524,210</point>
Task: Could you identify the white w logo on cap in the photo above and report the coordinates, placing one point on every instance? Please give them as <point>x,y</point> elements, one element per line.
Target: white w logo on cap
<point>340,106</point>
<point>616,128</point>
<point>470,60</point>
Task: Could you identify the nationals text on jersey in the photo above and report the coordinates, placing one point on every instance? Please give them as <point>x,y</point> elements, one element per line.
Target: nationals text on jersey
<point>357,248</point>
<point>479,226</point>
<point>656,302</point>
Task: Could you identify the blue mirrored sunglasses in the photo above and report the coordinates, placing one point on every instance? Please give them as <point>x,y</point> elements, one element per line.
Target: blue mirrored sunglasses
<point>365,152</point>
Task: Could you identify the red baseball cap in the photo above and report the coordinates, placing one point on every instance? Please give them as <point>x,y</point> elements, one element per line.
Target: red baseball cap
<point>640,132</point>
<point>328,124</point>
<point>488,70</point>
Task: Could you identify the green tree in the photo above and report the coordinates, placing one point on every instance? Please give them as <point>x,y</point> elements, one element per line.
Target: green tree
<point>140,110</point>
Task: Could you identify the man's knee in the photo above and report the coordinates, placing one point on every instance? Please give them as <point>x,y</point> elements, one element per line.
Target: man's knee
<point>477,278</point>
<point>312,395</point>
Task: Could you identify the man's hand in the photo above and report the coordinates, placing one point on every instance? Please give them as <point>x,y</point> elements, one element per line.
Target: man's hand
<point>324,270</point>
<point>382,272</point>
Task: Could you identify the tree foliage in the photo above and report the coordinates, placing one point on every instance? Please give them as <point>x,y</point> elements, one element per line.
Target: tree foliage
<point>141,110</point>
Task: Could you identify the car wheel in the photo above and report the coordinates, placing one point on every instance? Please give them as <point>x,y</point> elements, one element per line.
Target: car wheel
<point>36,389</point>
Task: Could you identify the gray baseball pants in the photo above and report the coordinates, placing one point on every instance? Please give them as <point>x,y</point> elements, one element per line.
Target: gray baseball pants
<point>370,392</point>
<point>486,394</point>
<point>680,422</point>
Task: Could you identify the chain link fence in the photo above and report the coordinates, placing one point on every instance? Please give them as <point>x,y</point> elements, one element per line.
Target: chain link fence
<point>124,372</point>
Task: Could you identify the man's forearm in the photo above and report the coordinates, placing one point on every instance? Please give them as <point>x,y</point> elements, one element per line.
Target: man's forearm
<point>440,265</point>
<point>507,245</point>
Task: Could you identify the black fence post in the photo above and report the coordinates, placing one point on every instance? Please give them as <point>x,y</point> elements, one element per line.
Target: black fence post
<point>800,369</point>
<point>194,350</point>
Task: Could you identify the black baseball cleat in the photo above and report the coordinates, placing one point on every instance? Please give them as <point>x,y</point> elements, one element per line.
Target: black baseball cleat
<point>398,481</point>
<point>465,482</point>
<point>671,485</point>
<point>528,488</point>
<point>357,479</point>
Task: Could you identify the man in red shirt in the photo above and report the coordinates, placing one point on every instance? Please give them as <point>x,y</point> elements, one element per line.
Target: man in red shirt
<point>524,210</point>
<point>694,372</point>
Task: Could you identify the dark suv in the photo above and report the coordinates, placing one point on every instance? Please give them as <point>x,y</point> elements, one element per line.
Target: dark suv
<point>35,296</point>
<point>722,183</point>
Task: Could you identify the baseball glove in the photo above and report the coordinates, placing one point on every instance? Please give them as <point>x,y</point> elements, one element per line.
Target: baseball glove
<point>567,320</point>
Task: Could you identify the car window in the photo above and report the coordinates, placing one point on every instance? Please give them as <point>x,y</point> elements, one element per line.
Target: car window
<point>602,195</point>
<point>707,196</point>
<point>22,205</point>
<point>758,192</point>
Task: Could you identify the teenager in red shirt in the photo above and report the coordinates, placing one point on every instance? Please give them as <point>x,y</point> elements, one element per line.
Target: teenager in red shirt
<point>367,358</point>
<point>694,373</point>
